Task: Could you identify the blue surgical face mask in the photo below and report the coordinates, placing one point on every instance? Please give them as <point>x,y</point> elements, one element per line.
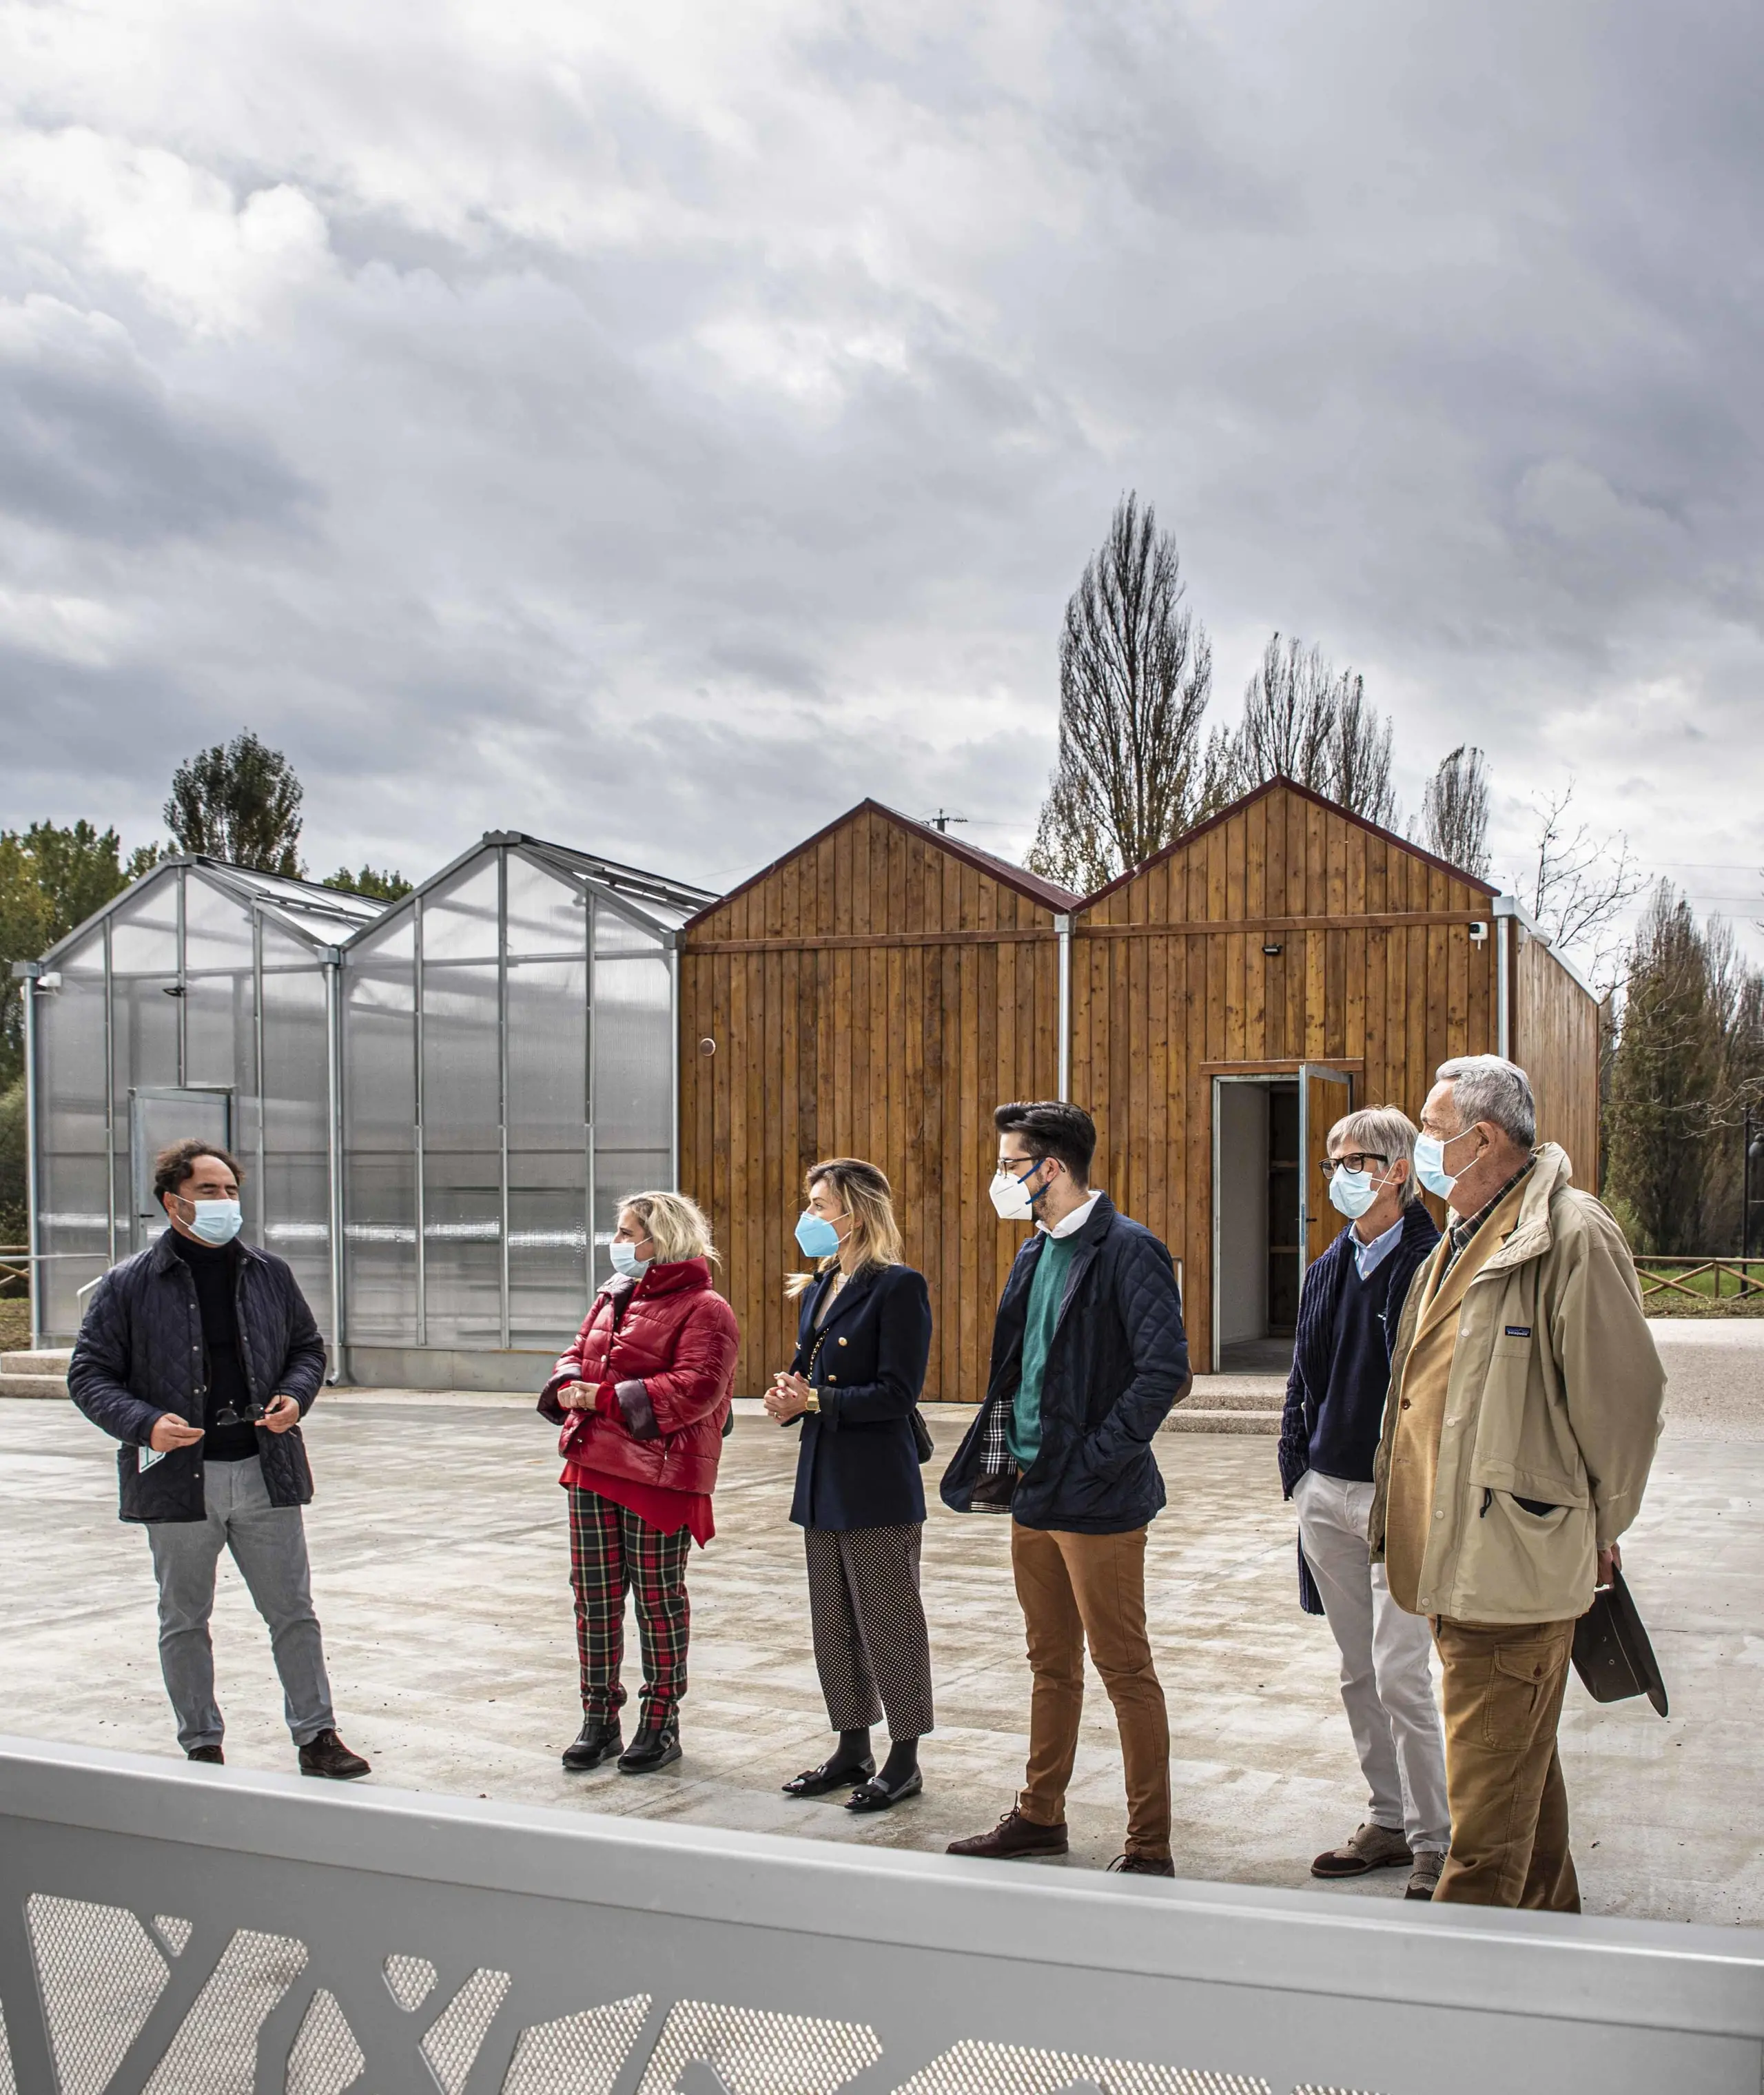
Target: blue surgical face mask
<point>815,1236</point>
<point>625,1261</point>
<point>215,1222</point>
<point>1429,1162</point>
<point>1351,1193</point>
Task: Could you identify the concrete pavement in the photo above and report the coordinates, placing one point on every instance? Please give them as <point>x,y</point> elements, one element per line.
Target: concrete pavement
<point>441,1573</point>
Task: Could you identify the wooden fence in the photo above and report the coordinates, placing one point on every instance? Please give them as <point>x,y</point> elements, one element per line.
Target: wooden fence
<point>1682,1276</point>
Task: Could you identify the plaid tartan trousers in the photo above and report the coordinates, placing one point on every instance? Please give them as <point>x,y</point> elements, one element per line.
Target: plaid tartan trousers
<point>613,1551</point>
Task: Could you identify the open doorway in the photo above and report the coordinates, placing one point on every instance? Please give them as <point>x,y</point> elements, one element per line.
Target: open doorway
<point>1258,1259</point>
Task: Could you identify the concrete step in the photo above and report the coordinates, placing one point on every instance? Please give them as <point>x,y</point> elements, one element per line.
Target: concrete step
<point>51,1360</point>
<point>1190,1419</point>
<point>33,1385</point>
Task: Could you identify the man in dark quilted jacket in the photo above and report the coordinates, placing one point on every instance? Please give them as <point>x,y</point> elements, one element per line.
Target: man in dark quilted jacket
<point>1088,1355</point>
<point>200,1356</point>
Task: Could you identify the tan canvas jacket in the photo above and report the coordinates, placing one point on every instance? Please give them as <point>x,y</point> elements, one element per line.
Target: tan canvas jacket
<point>1554,1394</point>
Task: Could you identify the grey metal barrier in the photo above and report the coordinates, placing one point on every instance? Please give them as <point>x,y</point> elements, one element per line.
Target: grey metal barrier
<point>174,1931</point>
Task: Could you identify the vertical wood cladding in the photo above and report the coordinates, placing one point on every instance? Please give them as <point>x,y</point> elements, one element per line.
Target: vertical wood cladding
<point>1375,974</point>
<point>874,994</point>
<point>1556,1041</point>
<point>878,991</point>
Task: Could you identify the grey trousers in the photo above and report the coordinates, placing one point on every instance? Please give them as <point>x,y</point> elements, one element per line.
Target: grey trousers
<point>1387,1687</point>
<point>269,1546</point>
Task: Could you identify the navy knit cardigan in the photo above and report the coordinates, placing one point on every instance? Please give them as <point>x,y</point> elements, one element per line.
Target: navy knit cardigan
<point>1313,1348</point>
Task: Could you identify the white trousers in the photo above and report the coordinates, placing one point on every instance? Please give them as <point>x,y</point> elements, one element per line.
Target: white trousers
<point>1386,1681</point>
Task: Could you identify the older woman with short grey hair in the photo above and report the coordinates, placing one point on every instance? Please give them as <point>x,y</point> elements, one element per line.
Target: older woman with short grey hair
<point>1349,1308</point>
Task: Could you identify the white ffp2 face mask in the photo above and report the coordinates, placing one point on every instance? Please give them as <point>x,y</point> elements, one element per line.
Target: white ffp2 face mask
<point>1012,1198</point>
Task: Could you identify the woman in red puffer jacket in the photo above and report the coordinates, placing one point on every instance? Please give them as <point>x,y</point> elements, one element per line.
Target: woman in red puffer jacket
<point>644,1397</point>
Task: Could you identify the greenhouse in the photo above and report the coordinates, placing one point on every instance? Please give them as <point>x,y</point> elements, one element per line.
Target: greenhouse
<point>436,1105</point>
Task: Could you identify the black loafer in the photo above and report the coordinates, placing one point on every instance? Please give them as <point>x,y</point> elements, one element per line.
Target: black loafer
<point>823,1780</point>
<point>649,1750</point>
<point>876,1795</point>
<point>597,1740</point>
<point>211,1755</point>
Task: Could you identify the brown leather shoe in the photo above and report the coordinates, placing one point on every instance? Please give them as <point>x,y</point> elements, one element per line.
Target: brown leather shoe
<point>1143,1866</point>
<point>1014,1838</point>
<point>328,1755</point>
<point>1366,1848</point>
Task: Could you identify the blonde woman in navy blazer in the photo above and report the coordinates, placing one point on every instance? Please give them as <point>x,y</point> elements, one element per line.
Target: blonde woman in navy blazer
<point>863,1342</point>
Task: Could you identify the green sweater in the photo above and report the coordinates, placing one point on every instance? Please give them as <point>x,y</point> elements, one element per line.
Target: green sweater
<point>1023,1432</point>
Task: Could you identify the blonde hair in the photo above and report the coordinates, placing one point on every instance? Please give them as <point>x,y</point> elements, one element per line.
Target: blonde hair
<point>676,1226</point>
<point>867,1197</point>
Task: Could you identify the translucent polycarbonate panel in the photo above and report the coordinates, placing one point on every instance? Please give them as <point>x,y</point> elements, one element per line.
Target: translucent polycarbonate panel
<point>217,929</point>
<point>380,1136</point>
<point>615,933</point>
<point>73,1181</point>
<point>545,915</point>
<point>633,1076</point>
<point>144,965</point>
<point>462,1198</point>
<point>460,916</point>
<point>296,1190</point>
<point>548,1288</point>
<point>547,1054</point>
<point>395,940</point>
<point>462,1244</point>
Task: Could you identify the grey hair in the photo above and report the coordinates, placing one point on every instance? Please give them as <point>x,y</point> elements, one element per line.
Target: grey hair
<point>1489,1087</point>
<point>1380,1131</point>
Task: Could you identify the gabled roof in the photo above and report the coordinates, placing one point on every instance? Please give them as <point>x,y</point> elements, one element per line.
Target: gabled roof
<point>658,901</point>
<point>1061,900</point>
<point>1304,793</point>
<point>321,915</point>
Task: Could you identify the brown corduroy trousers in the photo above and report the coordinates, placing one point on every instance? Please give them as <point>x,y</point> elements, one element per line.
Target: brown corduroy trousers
<point>1502,1688</point>
<point>1079,1589</point>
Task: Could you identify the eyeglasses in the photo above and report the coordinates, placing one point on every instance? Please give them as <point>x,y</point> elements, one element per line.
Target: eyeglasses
<point>1356,1160</point>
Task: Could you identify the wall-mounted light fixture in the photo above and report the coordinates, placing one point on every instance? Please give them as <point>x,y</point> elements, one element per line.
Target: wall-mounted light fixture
<point>1272,948</point>
<point>1478,933</point>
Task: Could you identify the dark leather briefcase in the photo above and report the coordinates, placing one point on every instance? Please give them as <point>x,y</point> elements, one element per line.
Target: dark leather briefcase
<point>1612,1654</point>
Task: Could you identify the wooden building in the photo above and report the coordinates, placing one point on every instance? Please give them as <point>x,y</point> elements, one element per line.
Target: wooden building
<point>1232,996</point>
<point>876,992</point>
<point>873,993</point>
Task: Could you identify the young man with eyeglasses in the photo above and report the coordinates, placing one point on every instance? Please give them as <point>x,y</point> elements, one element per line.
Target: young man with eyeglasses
<point>1088,1355</point>
<point>200,1356</point>
<point>1349,1308</point>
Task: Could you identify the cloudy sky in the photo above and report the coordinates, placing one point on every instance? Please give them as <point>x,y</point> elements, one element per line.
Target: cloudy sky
<point>658,427</point>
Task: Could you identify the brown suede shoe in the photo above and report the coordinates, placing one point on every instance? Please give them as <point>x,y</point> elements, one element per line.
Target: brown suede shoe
<point>1424,1879</point>
<point>1367,1848</point>
<point>1143,1866</point>
<point>1014,1838</point>
<point>328,1755</point>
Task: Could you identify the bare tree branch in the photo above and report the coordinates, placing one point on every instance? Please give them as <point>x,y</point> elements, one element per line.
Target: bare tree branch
<point>1581,883</point>
<point>1454,812</point>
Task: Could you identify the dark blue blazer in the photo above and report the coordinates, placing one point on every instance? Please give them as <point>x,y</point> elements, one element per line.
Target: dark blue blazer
<point>858,1465</point>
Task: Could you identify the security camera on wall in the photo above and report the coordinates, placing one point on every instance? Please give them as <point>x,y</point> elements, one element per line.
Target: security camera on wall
<point>1479,933</point>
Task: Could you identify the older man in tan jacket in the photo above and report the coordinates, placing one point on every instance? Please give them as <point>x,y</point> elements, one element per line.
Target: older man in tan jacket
<point>1524,1406</point>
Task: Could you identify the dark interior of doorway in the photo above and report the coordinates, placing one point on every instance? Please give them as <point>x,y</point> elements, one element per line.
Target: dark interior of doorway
<point>1260,1170</point>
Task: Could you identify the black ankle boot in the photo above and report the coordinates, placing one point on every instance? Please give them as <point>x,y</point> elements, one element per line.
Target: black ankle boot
<point>649,1750</point>
<point>597,1741</point>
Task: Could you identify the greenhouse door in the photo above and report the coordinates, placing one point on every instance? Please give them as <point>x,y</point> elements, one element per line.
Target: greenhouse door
<point>157,1119</point>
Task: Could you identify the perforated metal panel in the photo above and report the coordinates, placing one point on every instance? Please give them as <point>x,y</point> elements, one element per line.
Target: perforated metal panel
<point>1016,2069</point>
<point>215,2052</point>
<point>578,2054</point>
<point>174,1933</point>
<point>456,2032</point>
<point>755,2053</point>
<point>1308,2089</point>
<point>8,2082</point>
<point>100,1975</point>
<point>410,1981</point>
<point>326,2059</point>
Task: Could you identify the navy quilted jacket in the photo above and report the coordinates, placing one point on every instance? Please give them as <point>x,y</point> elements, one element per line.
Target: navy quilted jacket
<point>140,1353</point>
<point>1118,1360</point>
